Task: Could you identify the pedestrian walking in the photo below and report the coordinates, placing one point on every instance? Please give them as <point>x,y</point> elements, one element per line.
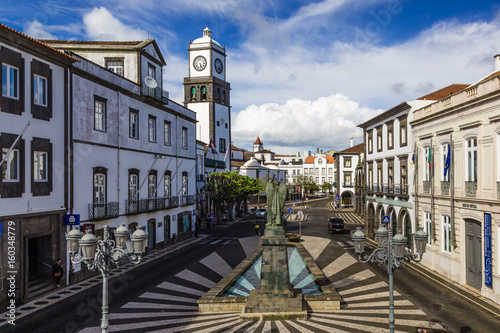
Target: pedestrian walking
<point>58,271</point>
<point>210,221</point>
<point>257,228</point>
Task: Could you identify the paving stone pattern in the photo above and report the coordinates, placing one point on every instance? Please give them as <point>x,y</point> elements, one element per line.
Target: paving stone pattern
<point>172,306</point>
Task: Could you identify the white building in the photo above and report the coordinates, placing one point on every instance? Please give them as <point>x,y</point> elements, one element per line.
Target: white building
<point>388,170</point>
<point>345,175</point>
<point>461,210</point>
<point>321,169</point>
<point>32,182</point>
<point>133,150</point>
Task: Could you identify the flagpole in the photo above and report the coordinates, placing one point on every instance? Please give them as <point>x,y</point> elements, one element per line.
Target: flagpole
<point>415,185</point>
<point>431,175</point>
<point>452,193</point>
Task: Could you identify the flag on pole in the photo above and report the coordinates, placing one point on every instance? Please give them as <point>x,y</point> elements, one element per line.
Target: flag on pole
<point>212,146</point>
<point>447,163</point>
<point>429,158</point>
<point>413,158</point>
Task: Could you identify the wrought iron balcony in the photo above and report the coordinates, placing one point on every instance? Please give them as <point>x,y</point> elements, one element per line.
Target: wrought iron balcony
<point>157,93</point>
<point>390,189</point>
<point>99,211</point>
<point>132,206</point>
<point>348,184</point>
<point>187,200</point>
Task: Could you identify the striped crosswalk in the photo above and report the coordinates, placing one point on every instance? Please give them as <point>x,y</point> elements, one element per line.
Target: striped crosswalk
<point>348,217</point>
<point>171,306</point>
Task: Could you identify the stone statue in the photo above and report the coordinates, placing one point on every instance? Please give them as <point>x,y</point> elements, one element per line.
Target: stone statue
<point>276,196</point>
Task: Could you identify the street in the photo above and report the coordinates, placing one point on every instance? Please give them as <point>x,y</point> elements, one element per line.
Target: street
<point>162,296</point>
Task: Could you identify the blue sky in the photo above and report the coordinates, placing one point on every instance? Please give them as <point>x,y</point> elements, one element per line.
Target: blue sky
<point>303,73</point>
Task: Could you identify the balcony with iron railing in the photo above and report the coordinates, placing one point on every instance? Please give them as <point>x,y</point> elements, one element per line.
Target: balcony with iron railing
<point>99,211</point>
<point>150,204</point>
<point>388,189</point>
<point>187,200</point>
<point>157,93</point>
<point>348,184</point>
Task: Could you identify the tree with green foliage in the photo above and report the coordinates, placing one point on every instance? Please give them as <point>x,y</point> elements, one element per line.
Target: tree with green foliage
<point>326,187</point>
<point>230,188</point>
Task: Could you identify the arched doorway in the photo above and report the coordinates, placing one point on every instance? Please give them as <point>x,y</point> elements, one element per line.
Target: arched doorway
<point>405,223</point>
<point>473,246</point>
<point>371,219</point>
<point>379,215</point>
<point>151,233</point>
<point>346,199</point>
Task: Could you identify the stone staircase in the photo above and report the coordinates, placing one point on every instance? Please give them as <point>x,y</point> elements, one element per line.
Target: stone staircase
<point>38,286</point>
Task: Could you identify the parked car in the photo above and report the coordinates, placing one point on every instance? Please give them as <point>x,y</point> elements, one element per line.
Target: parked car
<point>336,224</point>
<point>261,213</point>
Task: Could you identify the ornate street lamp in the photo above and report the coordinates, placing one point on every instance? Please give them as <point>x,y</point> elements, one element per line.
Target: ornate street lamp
<point>391,253</point>
<point>103,254</point>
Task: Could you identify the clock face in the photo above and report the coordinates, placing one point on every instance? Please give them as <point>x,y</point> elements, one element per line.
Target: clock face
<point>199,63</point>
<point>218,65</point>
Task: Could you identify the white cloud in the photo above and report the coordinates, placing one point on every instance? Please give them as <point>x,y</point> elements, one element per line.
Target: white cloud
<point>327,122</point>
<point>37,30</point>
<point>101,25</point>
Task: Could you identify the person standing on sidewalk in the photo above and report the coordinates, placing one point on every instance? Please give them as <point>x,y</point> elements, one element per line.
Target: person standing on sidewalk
<point>257,228</point>
<point>58,271</point>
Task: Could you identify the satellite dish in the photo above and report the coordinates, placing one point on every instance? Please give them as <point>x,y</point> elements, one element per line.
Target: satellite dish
<point>150,82</point>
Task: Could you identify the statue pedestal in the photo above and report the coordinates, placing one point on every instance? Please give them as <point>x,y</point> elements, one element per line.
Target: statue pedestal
<point>275,298</point>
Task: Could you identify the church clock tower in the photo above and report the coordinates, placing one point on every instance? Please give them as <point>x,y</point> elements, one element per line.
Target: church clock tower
<point>207,93</point>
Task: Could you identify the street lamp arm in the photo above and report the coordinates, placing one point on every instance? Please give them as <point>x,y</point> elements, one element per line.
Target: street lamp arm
<point>417,257</point>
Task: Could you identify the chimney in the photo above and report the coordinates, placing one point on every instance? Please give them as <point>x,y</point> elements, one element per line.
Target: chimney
<point>317,150</point>
<point>497,63</point>
<point>321,151</point>
<point>352,142</point>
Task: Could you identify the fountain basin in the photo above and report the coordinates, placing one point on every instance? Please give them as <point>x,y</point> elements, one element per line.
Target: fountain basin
<point>322,297</point>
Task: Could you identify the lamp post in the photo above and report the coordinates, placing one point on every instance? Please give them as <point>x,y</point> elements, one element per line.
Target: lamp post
<point>103,254</point>
<point>391,253</point>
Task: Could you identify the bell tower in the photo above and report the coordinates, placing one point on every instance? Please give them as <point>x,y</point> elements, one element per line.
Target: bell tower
<point>207,93</point>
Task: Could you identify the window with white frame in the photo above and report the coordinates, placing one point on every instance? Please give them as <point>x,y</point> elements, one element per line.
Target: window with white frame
<point>293,172</point>
<point>99,188</point>
<point>166,133</point>
<point>446,234</point>
<point>184,138</point>
<point>306,171</point>
<point>222,145</point>
<point>323,171</point>
<point>40,90</point>
<point>40,166</point>
<point>471,160</point>
<point>116,66</point>
<point>317,180</point>
<point>330,171</point>
<point>134,124</point>
<point>428,226</point>
<point>347,162</point>
<point>152,186</point>
<point>298,172</point>
<point>184,183</point>
<point>10,168</point>
<point>10,81</point>
<point>133,181</point>
<point>152,129</point>
<point>167,185</point>
<point>99,114</point>
<point>320,161</point>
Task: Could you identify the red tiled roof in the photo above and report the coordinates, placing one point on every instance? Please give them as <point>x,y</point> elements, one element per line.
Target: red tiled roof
<point>237,163</point>
<point>86,42</point>
<point>257,142</point>
<point>310,160</point>
<point>444,92</point>
<point>236,148</point>
<point>357,149</point>
<point>4,27</point>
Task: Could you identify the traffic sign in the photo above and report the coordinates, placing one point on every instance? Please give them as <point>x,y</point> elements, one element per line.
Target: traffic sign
<point>290,210</point>
<point>296,200</point>
<point>385,219</point>
<point>71,219</point>
<point>336,196</point>
<point>300,213</point>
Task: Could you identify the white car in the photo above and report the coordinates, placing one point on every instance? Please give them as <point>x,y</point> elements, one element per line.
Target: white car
<point>261,213</point>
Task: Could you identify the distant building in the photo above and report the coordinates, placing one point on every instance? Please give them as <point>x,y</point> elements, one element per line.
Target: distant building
<point>345,175</point>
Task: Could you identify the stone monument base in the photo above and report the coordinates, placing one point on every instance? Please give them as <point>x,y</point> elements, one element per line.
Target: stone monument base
<point>262,306</point>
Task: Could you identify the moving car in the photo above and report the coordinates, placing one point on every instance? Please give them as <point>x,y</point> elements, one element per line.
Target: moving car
<point>261,213</point>
<point>336,224</point>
